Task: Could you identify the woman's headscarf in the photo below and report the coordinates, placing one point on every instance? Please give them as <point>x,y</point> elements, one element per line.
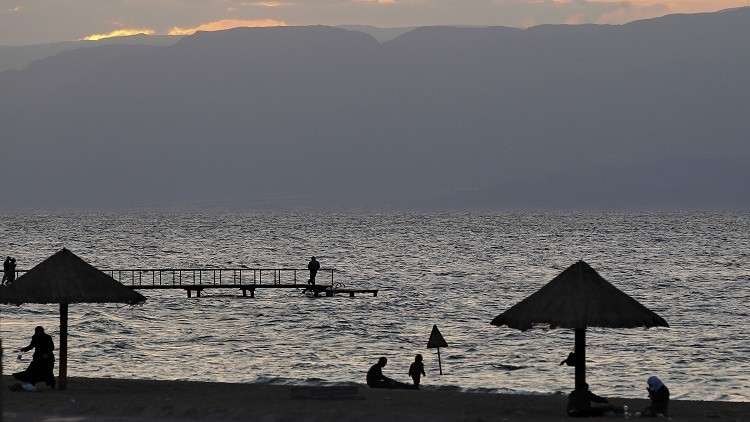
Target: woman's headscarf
<point>654,383</point>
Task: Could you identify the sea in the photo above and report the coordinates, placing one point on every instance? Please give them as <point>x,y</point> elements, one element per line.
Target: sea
<point>454,270</point>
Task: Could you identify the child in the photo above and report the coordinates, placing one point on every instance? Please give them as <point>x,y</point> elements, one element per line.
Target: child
<point>416,370</point>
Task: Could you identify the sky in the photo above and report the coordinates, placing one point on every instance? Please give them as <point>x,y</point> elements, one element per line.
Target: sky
<point>39,21</point>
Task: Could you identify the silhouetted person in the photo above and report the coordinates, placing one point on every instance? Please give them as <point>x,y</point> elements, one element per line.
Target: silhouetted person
<point>9,270</point>
<point>659,395</point>
<point>6,266</point>
<point>43,361</point>
<point>376,379</point>
<point>12,275</point>
<point>416,370</point>
<point>313,266</point>
<point>570,360</point>
<point>582,402</point>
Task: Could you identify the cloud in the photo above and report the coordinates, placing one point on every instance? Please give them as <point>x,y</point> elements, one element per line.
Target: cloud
<point>630,10</point>
<point>124,32</point>
<point>376,1</point>
<point>14,9</point>
<point>268,3</point>
<point>226,24</point>
<point>40,21</point>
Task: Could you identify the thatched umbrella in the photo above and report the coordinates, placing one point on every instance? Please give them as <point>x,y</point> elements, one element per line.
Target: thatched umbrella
<point>579,298</point>
<point>65,278</point>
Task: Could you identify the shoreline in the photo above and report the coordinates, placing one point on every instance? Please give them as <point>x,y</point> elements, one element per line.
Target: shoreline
<point>147,400</point>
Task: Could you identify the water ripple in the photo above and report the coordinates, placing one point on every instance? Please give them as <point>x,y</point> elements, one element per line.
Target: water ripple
<point>454,270</point>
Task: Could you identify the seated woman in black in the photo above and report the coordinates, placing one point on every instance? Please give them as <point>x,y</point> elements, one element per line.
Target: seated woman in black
<point>659,395</point>
<point>43,361</point>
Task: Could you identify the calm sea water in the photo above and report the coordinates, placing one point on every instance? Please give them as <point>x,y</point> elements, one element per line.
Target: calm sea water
<point>454,270</point>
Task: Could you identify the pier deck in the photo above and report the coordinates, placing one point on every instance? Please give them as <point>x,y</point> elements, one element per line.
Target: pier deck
<point>196,280</point>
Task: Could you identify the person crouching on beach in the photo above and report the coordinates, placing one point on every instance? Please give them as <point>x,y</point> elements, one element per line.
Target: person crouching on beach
<point>659,395</point>
<point>582,403</point>
<point>376,379</point>
<point>416,370</point>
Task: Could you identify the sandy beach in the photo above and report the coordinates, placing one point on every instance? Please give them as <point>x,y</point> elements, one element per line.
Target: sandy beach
<point>115,399</point>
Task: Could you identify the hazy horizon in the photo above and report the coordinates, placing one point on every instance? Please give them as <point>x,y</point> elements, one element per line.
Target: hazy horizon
<point>25,22</point>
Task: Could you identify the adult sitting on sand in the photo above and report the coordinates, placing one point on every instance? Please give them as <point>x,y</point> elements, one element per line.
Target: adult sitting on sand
<point>42,363</point>
<point>582,403</point>
<point>376,379</point>
<point>659,395</point>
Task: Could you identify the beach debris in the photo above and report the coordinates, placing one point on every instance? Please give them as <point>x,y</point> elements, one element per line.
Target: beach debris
<point>437,341</point>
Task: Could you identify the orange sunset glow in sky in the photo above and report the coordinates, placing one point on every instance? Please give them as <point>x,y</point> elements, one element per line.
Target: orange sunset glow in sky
<point>35,21</point>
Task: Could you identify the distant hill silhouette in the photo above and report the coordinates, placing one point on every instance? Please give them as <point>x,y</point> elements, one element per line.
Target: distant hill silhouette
<point>652,114</point>
<point>17,57</point>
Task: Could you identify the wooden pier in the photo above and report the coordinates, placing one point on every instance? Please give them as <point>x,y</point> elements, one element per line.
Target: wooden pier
<point>244,280</point>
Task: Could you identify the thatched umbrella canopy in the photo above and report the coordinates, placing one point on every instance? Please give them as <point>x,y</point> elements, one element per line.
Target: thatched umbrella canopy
<point>65,278</point>
<point>579,298</point>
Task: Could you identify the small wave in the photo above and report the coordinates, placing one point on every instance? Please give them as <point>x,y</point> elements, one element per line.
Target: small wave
<point>505,367</point>
<point>457,274</point>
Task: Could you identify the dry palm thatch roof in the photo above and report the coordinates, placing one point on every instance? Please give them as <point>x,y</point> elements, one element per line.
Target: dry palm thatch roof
<point>578,298</point>
<point>66,278</point>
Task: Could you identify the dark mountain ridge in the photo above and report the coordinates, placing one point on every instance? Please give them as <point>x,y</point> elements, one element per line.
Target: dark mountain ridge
<point>651,114</point>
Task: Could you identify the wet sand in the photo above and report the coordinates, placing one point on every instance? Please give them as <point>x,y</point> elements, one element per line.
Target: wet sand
<point>112,400</point>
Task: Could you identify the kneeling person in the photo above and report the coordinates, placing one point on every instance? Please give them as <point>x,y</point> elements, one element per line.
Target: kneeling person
<point>376,379</point>
<point>582,402</point>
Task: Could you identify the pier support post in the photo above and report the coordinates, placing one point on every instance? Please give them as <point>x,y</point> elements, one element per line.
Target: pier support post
<point>252,293</point>
<point>189,292</point>
<point>351,294</point>
<point>198,293</point>
<point>244,292</point>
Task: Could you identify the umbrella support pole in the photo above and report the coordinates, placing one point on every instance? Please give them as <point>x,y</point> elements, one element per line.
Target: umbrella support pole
<point>580,351</point>
<point>62,380</point>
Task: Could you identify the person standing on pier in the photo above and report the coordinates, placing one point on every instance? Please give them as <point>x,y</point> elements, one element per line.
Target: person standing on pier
<point>313,266</point>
